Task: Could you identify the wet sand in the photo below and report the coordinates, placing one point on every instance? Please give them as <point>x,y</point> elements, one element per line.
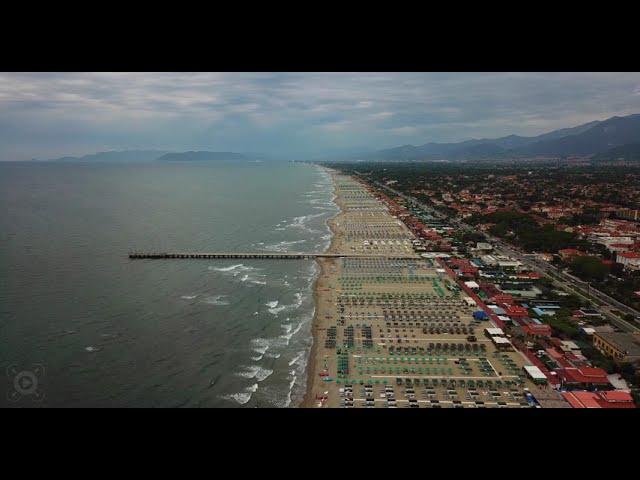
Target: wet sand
<point>322,299</point>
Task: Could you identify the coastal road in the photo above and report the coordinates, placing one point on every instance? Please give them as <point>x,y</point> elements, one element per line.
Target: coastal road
<point>568,282</point>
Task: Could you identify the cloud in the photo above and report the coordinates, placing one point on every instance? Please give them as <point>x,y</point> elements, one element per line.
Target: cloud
<point>406,130</point>
<point>50,114</point>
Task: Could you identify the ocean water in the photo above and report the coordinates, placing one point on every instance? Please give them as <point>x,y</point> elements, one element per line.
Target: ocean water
<point>93,328</point>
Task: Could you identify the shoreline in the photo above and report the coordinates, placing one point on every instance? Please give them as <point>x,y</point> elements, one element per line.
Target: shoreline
<point>310,372</point>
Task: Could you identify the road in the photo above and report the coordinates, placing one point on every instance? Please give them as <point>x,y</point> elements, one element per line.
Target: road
<point>566,281</point>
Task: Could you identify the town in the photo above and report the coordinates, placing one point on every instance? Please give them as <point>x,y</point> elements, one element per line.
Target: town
<point>549,254</point>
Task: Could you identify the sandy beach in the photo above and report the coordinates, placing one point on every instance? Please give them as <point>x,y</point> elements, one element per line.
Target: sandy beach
<point>393,329</point>
<point>321,298</point>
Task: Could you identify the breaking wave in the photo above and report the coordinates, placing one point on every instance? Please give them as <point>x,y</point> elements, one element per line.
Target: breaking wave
<point>255,371</point>
<point>243,397</point>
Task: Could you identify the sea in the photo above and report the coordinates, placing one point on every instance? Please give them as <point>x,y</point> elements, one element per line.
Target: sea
<point>82,325</point>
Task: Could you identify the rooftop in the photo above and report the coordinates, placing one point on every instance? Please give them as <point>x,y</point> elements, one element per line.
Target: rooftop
<point>629,254</point>
<point>588,375</point>
<point>614,399</point>
<point>535,372</point>
<point>494,331</point>
<point>625,342</point>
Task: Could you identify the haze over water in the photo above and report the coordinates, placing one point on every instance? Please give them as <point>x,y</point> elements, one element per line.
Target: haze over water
<point>110,331</point>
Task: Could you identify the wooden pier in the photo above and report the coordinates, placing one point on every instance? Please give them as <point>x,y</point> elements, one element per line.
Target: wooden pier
<point>263,255</point>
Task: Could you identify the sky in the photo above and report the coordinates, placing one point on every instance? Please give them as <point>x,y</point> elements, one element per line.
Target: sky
<point>47,115</point>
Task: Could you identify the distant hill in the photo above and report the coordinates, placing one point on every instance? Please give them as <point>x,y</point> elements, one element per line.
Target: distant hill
<point>563,132</point>
<point>628,153</point>
<point>159,155</point>
<point>588,139</point>
<point>603,136</point>
<point>116,156</point>
<point>201,156</point>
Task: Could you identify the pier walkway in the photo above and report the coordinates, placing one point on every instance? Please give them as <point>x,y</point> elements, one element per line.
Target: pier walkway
<point>266,255</point>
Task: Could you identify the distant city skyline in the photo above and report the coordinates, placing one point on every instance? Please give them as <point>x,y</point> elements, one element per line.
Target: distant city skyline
<point>46,115</point>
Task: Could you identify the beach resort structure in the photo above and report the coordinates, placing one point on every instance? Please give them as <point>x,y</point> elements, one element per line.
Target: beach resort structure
<point>393,328</point>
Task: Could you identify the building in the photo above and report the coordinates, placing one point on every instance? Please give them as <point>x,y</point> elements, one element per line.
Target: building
<point>503,298</point>
<point>622,347</point>
<point>618,247</point>
<point>568,253</point>
<point>629,260</point>
<point>537,329</point>
<point>523,290</point>
<point>549,310</point>
<point>516,311</point>
<point>583,378</point>
<point>618,240</point>
<point>535,374</point>
<point>627,214</point>
<point>588,313</point>
<point>472,285</point>
<point>501,261</point>
<point>502,343</point>
<point>607,399</point>
<point>493,332</point>
<point>568,346</point>
<point>482,248</point>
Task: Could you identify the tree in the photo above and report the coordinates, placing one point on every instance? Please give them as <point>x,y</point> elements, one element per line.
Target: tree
<point>474,237</point>
<point>589,268</point>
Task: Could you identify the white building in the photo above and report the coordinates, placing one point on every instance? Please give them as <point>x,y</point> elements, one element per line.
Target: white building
<point>630,260</point>
<point>501,261</point>
<point>482,248</point>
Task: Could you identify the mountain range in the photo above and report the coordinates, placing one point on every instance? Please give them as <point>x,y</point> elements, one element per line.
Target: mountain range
<point>201,156</point>
<point>599,139</point>
<point>607,140</point>
<point>629,153</point>
<point>157,155</point>
<point>116,156</point>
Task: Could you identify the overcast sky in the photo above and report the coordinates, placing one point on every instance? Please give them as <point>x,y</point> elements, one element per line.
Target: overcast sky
<point>45,115</point>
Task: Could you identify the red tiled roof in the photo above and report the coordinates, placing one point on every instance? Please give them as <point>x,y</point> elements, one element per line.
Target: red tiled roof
<point>587,375</point>
<point>571,356</point>
<point>537,329</point>
<point>616,396</point>
<point>553,353</point>
<point>614,399</point>
<point>581,399</point>
<point>517,311</point>
<point>629,254</point>
<point>502,298</point>
<point>489,289</point>
<point>559,357</point>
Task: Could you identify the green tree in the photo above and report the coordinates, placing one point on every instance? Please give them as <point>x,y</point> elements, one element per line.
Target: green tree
<point>589,268</point>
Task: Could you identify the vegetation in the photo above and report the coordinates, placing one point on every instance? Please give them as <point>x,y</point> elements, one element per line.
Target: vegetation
<point>473,237</point>
<point>622,290</point>
<point>587,217</point>
<point>589,268</point>
<point>524,231</point>
<point>562,326</point>
<point>596,358</point>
